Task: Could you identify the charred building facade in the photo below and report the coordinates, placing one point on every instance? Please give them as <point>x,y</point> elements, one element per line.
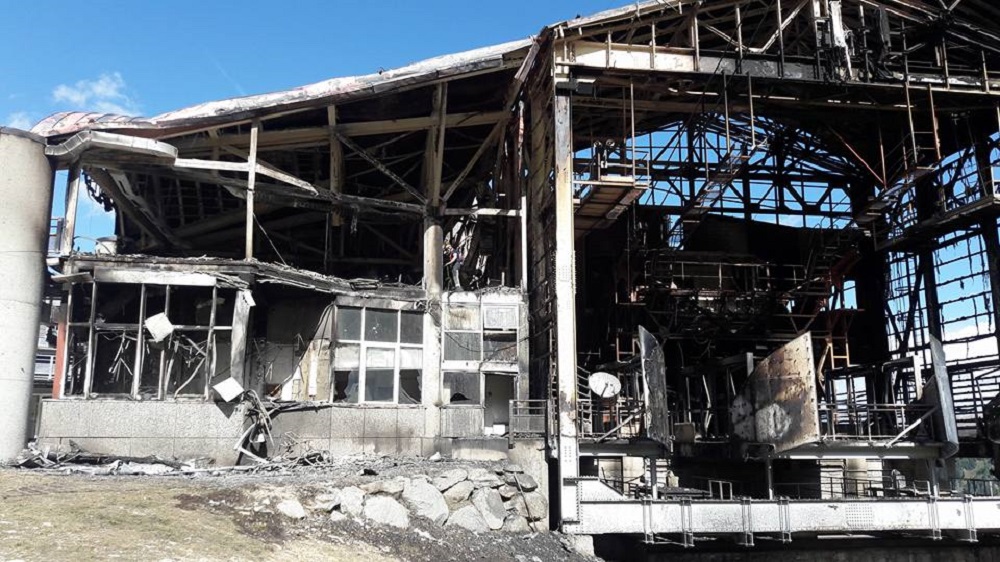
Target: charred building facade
<point>730,268</point>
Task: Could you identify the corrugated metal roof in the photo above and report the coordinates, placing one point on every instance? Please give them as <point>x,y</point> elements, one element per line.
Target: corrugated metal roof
<point>328,90</point>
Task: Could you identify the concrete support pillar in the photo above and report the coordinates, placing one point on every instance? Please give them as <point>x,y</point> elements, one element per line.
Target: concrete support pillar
<point>26,188</point>
<point>565,292</point>
<point>433,283</point>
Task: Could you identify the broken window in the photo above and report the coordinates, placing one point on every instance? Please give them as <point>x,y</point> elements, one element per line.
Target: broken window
<point>145,340</point>
<point>379,356</point>
<point>463,388</point>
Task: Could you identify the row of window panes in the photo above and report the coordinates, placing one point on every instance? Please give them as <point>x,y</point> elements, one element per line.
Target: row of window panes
<point>473,318</point>
<point>460,388</point>
<point>375,325</point>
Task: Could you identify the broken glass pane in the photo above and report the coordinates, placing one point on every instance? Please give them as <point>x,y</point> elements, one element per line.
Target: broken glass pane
<point>380,325</point>
<point>410,358</point>
<point>348,324</point>
<point>114,358</point>
<point>499,317</point>
<point>500,346</point>
<point>462,388</point>
<point>409,386</point>
<point>347,357</point>
<point>345,386</point>
<point>380,358</point>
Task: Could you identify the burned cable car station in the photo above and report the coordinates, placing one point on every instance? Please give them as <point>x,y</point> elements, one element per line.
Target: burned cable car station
<point>714,271</point>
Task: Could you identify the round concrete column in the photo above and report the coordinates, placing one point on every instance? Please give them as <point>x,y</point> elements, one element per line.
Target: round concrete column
<point>25,210</point>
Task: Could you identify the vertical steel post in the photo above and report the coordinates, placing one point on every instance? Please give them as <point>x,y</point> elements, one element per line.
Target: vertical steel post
<point>565,289</point>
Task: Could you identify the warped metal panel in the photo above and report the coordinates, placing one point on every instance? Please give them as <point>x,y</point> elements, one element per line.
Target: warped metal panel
<point>784,387</point>
<point>779,404</point>
<point>938,394</point>
<point>655,380</point>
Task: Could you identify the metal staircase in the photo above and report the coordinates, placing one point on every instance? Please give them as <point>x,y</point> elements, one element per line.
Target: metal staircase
<point>831,257</point>
<point>712,190</point>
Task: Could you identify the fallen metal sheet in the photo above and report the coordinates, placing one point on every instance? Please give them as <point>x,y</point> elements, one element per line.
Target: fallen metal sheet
<point>85,141</point>
<point>159,327</point>
<point>71,278</point>
<point>229,389</point>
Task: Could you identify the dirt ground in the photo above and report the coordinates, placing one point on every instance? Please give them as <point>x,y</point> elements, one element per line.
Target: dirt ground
<point>54,516</point>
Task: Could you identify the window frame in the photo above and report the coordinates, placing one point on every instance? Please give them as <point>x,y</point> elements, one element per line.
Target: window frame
<point>482,332</point>
<point>86,328</point>
<point>364,345</point>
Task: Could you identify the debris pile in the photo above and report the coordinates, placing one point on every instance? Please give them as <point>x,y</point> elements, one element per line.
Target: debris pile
<point>78,460</point>
<point>476,499</point>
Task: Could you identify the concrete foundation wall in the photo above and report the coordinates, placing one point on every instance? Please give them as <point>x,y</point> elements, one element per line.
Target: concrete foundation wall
<point>185,430</point>
<point>344,430</point>
<point>391,430</point>
<point>167,429</point>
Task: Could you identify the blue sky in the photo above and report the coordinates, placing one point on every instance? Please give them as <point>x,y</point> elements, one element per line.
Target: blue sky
<point>150,57</point>
<point>145,57</point>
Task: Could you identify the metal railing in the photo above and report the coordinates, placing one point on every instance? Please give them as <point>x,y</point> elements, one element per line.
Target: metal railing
<point>718,277</point>
<point>528,419</point>
<point>873,422</point>
<point>620,418</point>
<point>974,487</point>
<point>841,487</point>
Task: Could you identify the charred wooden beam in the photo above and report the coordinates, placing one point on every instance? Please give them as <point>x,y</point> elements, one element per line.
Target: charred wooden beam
<point>377,164</point>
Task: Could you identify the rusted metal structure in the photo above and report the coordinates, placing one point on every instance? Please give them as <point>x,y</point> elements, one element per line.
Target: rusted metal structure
<point>773,224</point>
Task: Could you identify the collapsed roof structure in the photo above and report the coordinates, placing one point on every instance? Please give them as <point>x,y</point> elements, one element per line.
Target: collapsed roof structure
<point>733,263</point>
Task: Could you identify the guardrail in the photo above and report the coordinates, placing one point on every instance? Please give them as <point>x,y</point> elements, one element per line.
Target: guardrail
<point>872,421</point>
<point>617,418</point>
<point>528,419</point>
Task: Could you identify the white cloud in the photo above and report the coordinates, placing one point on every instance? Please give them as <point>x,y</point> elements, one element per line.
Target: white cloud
<point>107,94</point>
<point>20,120</point>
